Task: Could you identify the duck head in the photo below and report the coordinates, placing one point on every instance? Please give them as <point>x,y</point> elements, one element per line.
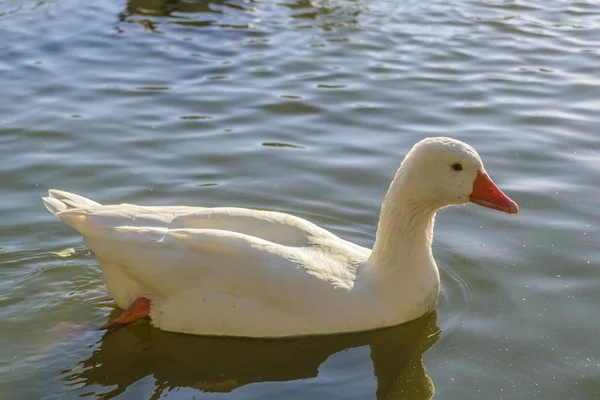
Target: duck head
<point>442,172</point>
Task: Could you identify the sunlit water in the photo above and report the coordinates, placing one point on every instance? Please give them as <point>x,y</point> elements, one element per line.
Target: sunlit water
<point>305,107</point>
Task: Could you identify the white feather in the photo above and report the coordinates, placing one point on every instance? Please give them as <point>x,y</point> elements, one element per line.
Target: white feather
<point>241,272</point>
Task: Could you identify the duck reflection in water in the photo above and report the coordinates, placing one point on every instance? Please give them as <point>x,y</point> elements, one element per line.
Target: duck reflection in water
<point>214,364</point>
<point>237,13</point>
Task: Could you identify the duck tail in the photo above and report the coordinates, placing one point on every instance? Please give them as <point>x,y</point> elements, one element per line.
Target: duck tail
<point>59,201</point>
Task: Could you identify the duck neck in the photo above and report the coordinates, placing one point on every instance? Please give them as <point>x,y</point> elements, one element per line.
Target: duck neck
<point>405,229</point>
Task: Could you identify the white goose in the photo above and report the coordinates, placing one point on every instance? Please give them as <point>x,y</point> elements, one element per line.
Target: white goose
<point>240,272</point>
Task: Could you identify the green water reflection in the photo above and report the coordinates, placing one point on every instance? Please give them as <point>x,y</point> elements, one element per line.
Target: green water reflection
<point>214,364</point>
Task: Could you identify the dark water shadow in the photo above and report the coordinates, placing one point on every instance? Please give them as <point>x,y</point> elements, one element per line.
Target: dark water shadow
<point>169,8</point>
<point>213,364</point>
<point>206,13</point>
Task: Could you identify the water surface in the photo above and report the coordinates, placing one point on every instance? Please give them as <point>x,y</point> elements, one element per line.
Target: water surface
<point>306,107</point>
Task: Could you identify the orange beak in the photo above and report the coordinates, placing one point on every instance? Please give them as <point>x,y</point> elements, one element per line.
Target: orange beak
<point>486,193</point>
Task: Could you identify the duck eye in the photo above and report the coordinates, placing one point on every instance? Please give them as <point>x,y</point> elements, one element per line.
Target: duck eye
<point>457,167</point>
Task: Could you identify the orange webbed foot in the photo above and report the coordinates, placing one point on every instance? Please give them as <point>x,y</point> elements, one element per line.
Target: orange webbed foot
<point>139,309</point>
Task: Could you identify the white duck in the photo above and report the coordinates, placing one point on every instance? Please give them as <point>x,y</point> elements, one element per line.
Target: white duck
<point>240,272</point>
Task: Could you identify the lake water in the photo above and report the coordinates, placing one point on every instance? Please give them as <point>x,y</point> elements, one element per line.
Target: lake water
<point>306,107</point>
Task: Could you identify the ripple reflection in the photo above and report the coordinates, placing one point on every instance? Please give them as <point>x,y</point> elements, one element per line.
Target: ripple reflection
<point>212,364</point>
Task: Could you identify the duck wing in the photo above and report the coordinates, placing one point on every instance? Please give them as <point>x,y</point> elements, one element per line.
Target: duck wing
<point>91,219</point>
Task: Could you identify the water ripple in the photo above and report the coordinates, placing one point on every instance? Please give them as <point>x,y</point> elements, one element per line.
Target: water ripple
<point>195,102</point>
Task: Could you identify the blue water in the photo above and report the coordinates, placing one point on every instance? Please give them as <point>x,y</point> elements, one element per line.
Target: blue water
<point>308,108</point>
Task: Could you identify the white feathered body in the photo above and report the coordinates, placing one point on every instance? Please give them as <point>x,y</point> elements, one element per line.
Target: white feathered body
<point>241,272</point>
